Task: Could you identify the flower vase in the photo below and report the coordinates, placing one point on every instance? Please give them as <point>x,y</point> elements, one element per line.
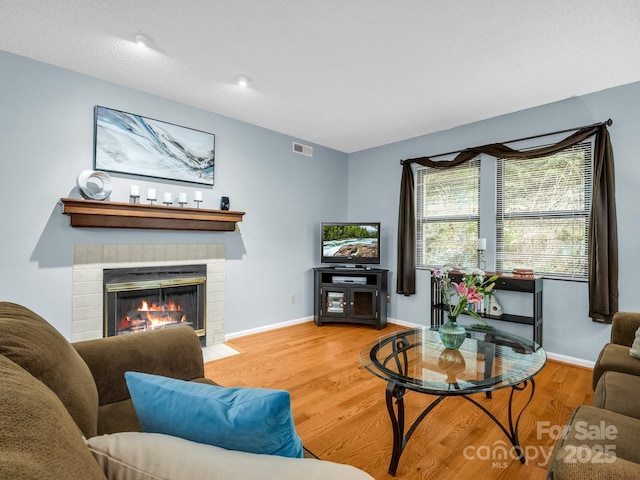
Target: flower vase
<point>452,334</point>
<point>452,363</point>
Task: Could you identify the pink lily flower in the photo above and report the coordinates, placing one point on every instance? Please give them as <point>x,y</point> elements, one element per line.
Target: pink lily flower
<point>473,295</point>
<point>469,293</point>
<point>461,288</point>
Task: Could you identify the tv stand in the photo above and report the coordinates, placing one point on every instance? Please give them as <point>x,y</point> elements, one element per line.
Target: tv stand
<point>351,295</point>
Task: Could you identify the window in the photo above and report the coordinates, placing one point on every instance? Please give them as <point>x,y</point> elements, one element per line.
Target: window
<point>543,210</point>
<point>448,215</point>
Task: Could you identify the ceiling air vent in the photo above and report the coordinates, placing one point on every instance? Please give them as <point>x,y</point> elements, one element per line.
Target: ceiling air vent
<point>303,149</point>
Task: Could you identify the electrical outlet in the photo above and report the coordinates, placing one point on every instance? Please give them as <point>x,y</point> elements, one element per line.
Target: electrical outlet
<point>388,298</point>
<point>292,299</point>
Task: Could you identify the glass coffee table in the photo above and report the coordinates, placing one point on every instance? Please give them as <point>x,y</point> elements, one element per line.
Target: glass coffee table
<point>487,361</point>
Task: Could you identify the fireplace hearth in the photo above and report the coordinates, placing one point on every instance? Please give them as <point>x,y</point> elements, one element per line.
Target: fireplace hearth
<point>150,298</point>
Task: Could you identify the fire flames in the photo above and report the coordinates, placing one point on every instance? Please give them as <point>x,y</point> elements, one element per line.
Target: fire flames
<point>158,313</point>
<point>150,316</point>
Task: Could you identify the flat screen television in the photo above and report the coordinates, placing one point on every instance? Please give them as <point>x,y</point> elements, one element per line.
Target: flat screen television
<point>354,243</point>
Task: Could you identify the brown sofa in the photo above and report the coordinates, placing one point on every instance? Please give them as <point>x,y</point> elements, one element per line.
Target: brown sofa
<point>53,393</point>
<point>615,354</point>
<point>602,441</point>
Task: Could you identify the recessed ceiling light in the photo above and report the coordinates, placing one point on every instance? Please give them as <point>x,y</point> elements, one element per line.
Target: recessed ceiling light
<point>142,40</point>
<point>242,81</point>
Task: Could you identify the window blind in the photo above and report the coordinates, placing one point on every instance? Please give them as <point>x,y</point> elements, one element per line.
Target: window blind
<point>543,208</point>
<point>448,215</point>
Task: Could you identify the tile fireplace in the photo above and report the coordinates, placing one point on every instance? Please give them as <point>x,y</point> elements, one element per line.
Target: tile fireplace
<point>89,301</point>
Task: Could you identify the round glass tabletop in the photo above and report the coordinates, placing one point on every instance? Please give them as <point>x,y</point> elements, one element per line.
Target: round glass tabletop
<point>488,360</point>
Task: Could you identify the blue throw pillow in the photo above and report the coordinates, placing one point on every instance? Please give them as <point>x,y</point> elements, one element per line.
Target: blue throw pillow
<point>255,420</point>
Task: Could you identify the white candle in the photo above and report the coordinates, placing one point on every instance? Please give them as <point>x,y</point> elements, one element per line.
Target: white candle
<point>482,244</point>
<point>152,194</point>
<point>167,197</point>
<point>134,191</point>
<point>182,197</point>
<point>197,196</point>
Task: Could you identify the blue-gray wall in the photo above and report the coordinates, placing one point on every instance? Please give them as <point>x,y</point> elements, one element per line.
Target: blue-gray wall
<point>46,140</point>
<point>568,331</point>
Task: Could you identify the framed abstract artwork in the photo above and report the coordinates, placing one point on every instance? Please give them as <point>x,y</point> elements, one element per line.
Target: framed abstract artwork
<point>137,145</point>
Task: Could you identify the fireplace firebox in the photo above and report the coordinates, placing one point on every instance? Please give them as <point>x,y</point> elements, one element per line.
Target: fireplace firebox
<point>150,298</point>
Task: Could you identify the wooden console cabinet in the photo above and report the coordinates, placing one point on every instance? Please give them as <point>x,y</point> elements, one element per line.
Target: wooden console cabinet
<point>351,295</point>
<point>526,285</point>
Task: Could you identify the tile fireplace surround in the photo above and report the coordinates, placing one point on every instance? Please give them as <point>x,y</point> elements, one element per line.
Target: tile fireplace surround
<point>90,259</point>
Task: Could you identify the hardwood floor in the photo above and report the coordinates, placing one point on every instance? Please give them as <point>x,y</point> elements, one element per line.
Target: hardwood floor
<point>340,412</point>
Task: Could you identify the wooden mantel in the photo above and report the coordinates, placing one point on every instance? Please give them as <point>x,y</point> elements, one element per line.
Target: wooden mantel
<point>101,214</point>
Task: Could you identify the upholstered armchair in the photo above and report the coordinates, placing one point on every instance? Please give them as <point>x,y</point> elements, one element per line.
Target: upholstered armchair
<point>615,354</point>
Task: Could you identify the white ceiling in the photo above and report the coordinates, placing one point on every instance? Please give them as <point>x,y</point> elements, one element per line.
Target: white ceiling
<point>347,74</point>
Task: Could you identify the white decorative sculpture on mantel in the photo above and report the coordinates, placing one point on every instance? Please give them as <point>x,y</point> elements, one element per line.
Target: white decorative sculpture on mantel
<point>495,310</point>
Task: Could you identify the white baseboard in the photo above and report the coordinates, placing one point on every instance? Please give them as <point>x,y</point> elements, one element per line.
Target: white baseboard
<point>266,328</point>
<point>550,355</point>
<point>402,323</point>
<point>572,360</point>
<point>297,321</point>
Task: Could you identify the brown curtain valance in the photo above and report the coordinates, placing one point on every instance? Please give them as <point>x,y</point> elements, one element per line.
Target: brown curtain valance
<point>603,235</point>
